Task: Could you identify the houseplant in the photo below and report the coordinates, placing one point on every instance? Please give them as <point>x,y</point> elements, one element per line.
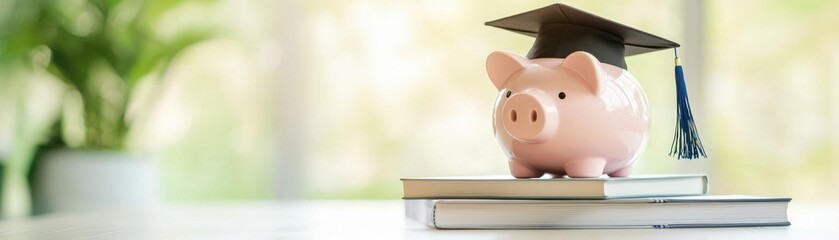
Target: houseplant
<point>101,51</point>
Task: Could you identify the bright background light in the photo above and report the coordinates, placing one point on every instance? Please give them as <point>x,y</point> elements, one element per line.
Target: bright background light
<point>339,99</point>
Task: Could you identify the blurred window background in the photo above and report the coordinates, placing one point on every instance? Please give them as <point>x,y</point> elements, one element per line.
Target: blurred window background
<point>264,99</point>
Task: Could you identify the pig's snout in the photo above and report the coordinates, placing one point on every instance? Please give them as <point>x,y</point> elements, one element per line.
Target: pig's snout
<point>530,116</point>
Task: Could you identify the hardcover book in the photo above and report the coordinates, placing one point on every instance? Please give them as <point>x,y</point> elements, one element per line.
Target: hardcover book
<point>505,187</point>
<point>671,212</point>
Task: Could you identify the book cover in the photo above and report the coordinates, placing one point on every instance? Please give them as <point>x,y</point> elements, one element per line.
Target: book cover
<point>506,187</point>
<point>675,212</point>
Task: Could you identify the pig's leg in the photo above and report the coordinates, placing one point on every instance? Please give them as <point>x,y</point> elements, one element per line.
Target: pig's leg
<point>523,170</point>
<point>623,172</point>
<point>585,167</point>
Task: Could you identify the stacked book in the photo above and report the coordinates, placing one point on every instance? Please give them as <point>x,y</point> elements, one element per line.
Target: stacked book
<point>660,201</point>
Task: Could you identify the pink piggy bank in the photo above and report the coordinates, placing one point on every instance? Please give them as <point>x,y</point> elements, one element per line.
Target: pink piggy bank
<point>573,116</point>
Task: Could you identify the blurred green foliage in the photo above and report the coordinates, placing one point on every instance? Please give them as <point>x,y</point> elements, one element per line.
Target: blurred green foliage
<point>100,49</point>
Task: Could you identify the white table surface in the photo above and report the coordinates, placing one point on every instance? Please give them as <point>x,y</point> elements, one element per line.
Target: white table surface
<point>357,220</point>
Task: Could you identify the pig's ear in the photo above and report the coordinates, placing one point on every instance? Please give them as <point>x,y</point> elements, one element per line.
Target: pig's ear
<point>588,67</point>
<point>502,65</point>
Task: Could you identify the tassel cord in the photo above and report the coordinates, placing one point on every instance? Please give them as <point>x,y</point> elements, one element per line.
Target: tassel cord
<point>686,142</point>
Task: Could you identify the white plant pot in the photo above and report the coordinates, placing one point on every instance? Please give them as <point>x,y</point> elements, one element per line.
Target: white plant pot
<point>71,180</point>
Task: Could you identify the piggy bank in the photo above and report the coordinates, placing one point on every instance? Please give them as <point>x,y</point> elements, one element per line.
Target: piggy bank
<point>573,116</point>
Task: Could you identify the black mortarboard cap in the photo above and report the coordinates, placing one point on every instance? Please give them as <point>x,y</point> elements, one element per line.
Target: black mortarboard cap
<point>561,30</point>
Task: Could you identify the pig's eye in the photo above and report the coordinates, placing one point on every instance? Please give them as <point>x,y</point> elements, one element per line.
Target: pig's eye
<point>508,94</point>
<point>561,95</point>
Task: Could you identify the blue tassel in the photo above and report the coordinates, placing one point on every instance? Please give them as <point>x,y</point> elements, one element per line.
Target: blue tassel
<point>686,142</point>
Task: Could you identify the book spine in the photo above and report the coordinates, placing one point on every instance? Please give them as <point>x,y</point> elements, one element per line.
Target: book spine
<point>433,218</point>
<point>422,211</point>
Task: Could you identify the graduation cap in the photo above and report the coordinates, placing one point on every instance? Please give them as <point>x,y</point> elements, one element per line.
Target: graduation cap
<point>561,30</point>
